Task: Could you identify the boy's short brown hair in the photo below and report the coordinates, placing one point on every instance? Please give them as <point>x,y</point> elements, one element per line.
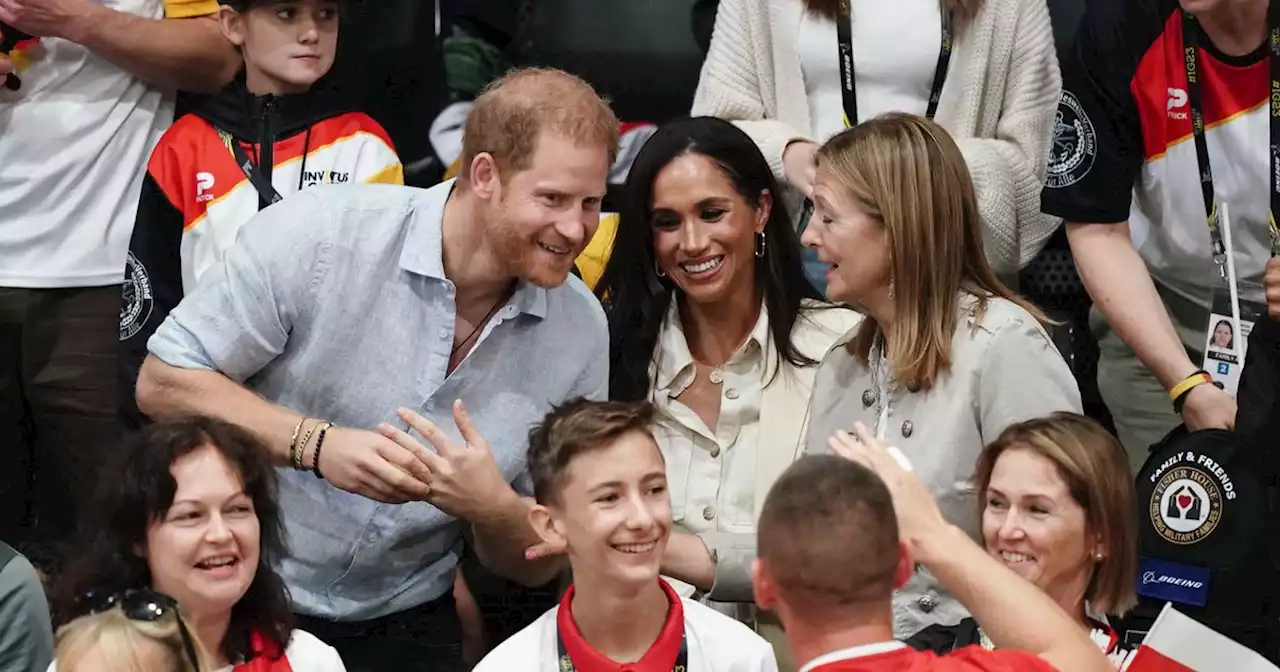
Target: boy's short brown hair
<point>829,536</point>
<point>512,112</point>
<point>575,427</point>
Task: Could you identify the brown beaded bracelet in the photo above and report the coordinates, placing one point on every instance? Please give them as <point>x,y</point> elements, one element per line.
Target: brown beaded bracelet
<point>315,461</point>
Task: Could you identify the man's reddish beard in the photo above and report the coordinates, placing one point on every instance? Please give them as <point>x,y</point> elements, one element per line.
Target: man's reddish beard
<point>518,253</point>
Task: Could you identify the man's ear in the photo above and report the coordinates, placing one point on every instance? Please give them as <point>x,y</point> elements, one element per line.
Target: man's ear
<point>484,178</point>
<point>545,524</point>
<point>232,23</point>
<point>766,593</point>
<point>906,567</point>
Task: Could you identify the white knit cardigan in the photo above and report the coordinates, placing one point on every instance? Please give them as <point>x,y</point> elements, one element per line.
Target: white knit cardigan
<point>998,102</point>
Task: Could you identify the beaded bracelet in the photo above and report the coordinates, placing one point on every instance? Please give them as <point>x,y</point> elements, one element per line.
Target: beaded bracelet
<point>302,447</point>
<point>315,460</point>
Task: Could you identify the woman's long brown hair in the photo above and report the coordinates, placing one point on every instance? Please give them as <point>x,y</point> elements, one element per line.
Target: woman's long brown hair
<point>907,173</point>
<point>830,9</point>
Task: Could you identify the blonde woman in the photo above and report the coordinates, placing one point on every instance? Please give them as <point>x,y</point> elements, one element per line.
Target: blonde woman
<point>948,357</point>
<point>1057,507</point>
<point>139,631</point>
<point>988,69</point>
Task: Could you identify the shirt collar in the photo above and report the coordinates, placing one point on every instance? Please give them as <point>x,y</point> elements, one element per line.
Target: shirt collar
<point>853,652</point>
<point>423,251</point>
<point>674,362</point>
<point>661,656</point>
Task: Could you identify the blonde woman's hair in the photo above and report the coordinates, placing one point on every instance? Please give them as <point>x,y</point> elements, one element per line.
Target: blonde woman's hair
<point>907,173</point>
<point>1096,471</point>
<point>122,642</point>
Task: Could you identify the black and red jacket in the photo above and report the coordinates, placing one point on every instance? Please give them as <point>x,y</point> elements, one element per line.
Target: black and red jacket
<point>195,196</point>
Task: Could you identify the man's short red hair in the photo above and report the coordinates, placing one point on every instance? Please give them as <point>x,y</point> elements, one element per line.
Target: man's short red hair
<point>513,111</point>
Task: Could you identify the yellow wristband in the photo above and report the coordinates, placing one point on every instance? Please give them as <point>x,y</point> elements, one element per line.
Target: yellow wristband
<point>1194,380</point>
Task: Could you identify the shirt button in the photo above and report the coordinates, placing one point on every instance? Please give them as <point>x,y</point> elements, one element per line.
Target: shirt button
<point>444,333</point>
<point>709,513</point>
<point>731,393</point>
<point>926,603</point>
<point>715,451</point>
<point>373,536</point>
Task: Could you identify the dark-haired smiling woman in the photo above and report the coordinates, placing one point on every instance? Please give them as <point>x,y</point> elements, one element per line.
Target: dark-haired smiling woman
<point>188,509</point>
<point>712,319</point>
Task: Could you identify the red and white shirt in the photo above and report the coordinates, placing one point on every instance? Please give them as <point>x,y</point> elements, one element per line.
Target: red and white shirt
<point>1123,150</point>
<point>714,643</point>
<point>898,657</point>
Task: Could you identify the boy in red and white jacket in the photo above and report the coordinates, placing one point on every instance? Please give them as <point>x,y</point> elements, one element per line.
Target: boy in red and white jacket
<point>278,129</point>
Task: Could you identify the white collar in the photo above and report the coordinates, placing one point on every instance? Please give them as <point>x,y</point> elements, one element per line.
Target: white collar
<point>851,653</point>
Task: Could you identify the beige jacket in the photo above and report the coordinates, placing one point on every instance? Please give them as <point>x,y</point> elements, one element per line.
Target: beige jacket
<point>999,102</point>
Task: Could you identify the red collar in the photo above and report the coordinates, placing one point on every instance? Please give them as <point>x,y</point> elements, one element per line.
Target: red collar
<point>661,657</point>
<point>268,656</point>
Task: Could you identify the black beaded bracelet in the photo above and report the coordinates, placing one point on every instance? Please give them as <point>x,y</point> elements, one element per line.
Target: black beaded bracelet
<point>315,461</point>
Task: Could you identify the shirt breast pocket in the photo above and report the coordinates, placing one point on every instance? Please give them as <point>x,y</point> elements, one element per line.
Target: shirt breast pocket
<point>677,452</point>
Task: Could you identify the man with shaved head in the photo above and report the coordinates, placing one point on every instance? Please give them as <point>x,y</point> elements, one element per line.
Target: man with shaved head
<point>348,315</point>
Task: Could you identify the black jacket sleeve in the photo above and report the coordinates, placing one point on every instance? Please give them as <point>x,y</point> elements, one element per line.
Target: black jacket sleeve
<point>152,287</point>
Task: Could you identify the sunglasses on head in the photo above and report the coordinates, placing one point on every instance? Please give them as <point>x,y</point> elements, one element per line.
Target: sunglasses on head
<point>143,605</point>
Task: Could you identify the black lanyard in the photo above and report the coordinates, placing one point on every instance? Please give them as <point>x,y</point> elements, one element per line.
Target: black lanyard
<point>682,659</point>
<point>1195,100</point>
<point>266,191</point>
<point>848,82</point>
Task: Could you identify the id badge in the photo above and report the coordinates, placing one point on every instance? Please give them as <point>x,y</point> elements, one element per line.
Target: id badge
<point>1225,349</point>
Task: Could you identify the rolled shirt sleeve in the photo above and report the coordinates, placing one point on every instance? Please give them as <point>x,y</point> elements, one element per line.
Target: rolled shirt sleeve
<point>733,553</point>
<point>238,318</point>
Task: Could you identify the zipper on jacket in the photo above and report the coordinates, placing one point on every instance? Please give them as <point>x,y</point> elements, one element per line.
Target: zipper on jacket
<point>266,143</point>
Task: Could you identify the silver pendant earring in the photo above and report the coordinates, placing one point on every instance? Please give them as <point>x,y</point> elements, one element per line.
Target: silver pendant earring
<point>761,243</point>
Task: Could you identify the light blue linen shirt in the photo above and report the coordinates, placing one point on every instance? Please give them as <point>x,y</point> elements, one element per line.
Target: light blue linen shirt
<point>334,303</point>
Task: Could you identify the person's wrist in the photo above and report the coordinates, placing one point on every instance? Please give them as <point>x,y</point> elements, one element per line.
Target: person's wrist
<point>935,541</point>
<point>79,27</point>
<point>504,503</point>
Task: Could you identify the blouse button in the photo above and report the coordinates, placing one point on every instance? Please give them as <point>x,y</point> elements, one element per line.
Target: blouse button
<point>868,398</point>
<point>926,603</point>
<point>731,393</point>
<point>907,429</point>
<point>715,451</point>
<point>709,513</point>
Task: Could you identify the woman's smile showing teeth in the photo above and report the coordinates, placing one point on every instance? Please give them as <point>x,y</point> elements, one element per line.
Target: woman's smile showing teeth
<point>636,548</point>
<point>702,266</point>
<point>1010,557</point>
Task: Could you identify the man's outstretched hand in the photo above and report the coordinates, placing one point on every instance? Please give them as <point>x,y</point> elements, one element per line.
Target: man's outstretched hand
<point>465,481</point>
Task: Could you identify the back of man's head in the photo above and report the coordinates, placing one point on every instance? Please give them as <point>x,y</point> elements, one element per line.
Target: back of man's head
<point>513,112</point>
<point>827,543</point>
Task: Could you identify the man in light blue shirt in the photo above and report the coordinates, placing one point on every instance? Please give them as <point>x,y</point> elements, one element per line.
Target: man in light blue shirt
<point>364,306</point>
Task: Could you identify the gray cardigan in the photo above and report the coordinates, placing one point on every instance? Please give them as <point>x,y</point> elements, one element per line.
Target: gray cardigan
<point>1004,370</point>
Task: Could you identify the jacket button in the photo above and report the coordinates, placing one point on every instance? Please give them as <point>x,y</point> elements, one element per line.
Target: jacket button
<point>868,398</point>
<point>731,393</point>
<point>926,603</point>
<point>715,451</point>
<point>709,513</point>
<point>907,429</point>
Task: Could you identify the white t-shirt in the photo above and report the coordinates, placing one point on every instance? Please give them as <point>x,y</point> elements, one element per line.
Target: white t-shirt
<point>305,652</point>
<point>74,143</point>
<point>895,57</point>
<point>716,643</point>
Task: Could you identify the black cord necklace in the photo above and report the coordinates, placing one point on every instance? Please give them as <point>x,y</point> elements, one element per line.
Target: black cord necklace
<point>502,300</point>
